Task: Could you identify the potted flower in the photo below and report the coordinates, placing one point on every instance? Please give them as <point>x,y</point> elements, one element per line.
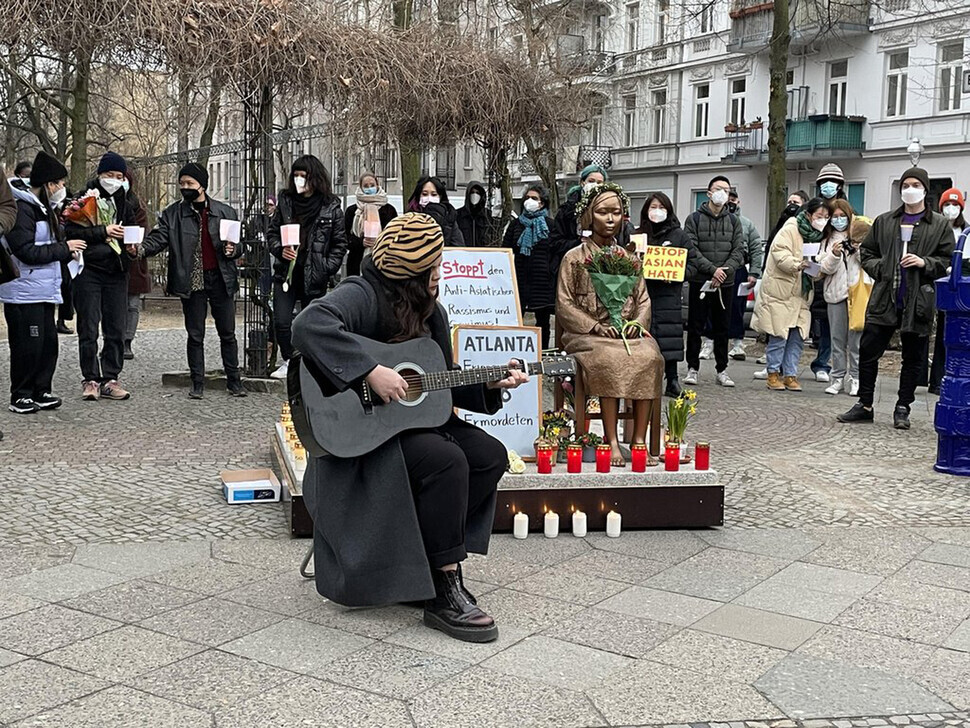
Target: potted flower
<point>756,124</point>
<point>731,128</point>
<point>588,441</point>
<point>556,428</point>
<point>679,412</point>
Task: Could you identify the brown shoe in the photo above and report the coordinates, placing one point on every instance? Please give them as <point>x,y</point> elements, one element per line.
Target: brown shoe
<point>452,612</point>
<point>90,391</point>
<point>113,390</point>
<point>774,381</point>
<point>792,385</point>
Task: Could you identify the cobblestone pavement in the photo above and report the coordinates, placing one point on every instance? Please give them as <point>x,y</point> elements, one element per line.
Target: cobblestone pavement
<point>837,595</point>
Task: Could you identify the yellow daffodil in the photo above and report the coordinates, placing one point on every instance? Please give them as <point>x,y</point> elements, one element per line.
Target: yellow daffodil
<point>693,410</point>
<point>690,394</point>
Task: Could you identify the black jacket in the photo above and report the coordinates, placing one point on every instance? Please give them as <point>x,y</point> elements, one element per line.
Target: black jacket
<point>178,232</point>
<point>536,274</point>
<point>447,217</point>
<point>564,232</point>
<point>99,255</point>
<point>719,240</point>
<point>322,258</point>
<point>476,225</point>
<point>355,245</point>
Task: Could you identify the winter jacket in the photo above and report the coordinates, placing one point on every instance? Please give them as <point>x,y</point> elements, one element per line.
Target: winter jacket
<point>840,272</point>
<point>99,255</point>
<point>781,305</point>
<point>322,257</point>
<point>139,278</point>
<point>178,232</point>
<point>881,250</point>
<point>754,247</point>
<point>476,225</point>
<point>37,252</point>
<point>536,274</point>
<point>8,208</point>
<point>719,240</point>
<point>355,245</point>
<point>447,217</point>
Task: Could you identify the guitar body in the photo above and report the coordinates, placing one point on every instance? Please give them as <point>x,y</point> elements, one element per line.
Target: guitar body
<point>346,427</point>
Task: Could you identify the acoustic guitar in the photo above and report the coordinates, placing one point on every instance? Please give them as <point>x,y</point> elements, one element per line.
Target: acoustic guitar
<point>356,421</point>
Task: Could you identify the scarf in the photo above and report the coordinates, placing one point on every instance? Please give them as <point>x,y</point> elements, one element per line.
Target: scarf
<point>375,201</point>
<point>305,210</point>
<point>805,229</point>
<point>534,229</point>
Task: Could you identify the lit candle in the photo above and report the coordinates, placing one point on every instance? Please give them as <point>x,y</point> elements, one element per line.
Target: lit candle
<point>603,455</point>
<point>638,457</point>
<point>544,459</point>
<point>672,456</point>
<point>520,525</point>
<point>702,456</point>
<point>551,524</point>
<point>574,459</point>
<point>579,524</point>
<point>613,524</point>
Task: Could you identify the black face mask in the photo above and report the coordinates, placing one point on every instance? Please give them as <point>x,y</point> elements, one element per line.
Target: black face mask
<point>793,209</point>
<point>190,194</point>
<point>732,207</point>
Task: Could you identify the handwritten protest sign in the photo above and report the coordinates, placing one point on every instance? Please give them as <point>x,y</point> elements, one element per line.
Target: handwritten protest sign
<point>478,287</point>
<point>664,263</point>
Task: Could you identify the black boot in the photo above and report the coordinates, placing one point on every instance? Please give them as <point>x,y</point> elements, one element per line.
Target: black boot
<point>129,355</point>
<point>673,387</point>
<point>452,613</point>
<point>901,417</point>
<point>461,580</point>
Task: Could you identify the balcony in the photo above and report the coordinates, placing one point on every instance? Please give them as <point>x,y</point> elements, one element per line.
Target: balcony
<point>745,144</point>
<point>751,23</point>
<point>816,136</point>
<point>575,59</point>
<point>603,156</point>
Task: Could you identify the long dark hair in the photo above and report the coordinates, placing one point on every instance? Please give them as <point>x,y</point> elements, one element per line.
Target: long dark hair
<point>414,200</point>
<point>413,304</point>
<point>645,210</point>
<point>317,176</point>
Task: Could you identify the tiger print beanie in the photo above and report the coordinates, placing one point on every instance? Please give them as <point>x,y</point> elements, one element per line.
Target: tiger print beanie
<point>409,246</point>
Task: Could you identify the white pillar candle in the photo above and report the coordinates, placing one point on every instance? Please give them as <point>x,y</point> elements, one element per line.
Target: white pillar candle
<point>520,525</point>
<point>551,524</point>
<point>579,524</point>
<point>613,524</point>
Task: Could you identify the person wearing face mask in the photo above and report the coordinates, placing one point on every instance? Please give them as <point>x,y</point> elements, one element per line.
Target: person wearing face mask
<point>371,203</point>
<point>782,308</point>
<point>754,251</point>
<point>430,197</point>
<point>476,224</point>
<point>536,264</point>
<point>308,201</point>
<point>662,228</point>
<point>21,176</point>
<point>831,186</point>
<point>565,233</point>
<point>952,207</point>
<point>903,295</point>
<point>37,245</point>
<point>101,288</point>
<point>202,272</point>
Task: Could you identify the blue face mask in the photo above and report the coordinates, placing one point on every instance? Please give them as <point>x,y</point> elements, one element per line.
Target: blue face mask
<point>840,223</point>
<point>829,190</point>
<point>369,190</point>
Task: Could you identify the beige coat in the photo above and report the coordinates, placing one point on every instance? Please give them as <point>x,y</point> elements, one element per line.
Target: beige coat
<point>781,305</point>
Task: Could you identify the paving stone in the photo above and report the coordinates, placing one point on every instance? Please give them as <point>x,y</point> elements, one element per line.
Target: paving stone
<point>120,707</point>
<point>649,692</point>
<point>667,547</point>
<point>660,606</point>
<point>535,551</point>
<point>810,687</point>
<point>716,574</point>
<point>827,579</point>
<point>526,611</point>
<point>942,575</point>
<point>31,686</point>
<point>11,604</point>
<point>907,592</point>
<point>601,564</point>
<point>902,622</point>
<point>212,680</point>
<point>210,577</point>
<point>297,646</point>
<point>564,583</point>
<point>47,628</point>
<point>865,649</point>
<point>779,543</point>
<point>557,663</point>
<point>425,639</point>
<point>132,601</point>
<point>375,623</point>
<point>881,551</point>
<point>717,656</point>
<point>392,670</point>
<point>288,594</point>
<point>954,534</point>
<point>763,628</point>
<point>947,674</point>
<point>211,621</point>
<point>140,559</point>
<point>612,631</point>
<point>60,582</point>
<point>20,560</point>
<point>479,697</point>
<point>959,639</point>
<point>795,601</point>
<point>262,553</point>
<point>8,658</point>
<point>941,553</point>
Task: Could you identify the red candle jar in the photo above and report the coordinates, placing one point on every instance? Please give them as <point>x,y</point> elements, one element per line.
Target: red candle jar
<point>702,456</point>
<point>544,460</point>
<point>603,455</point>
<point>638,457</point>
<point>574,459</point>
<point>672,456</point>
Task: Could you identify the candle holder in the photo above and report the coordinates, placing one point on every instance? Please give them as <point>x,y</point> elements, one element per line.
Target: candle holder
<point>638,457</point>
<point>603,455</point>
<point>702,456</point>
<point>613,522</point>
<point>579,524</point>
<point>550,524</point>
<point>672,456</point>
<point>574,459</point>
<point>544,460</point>
<point>520,525</point>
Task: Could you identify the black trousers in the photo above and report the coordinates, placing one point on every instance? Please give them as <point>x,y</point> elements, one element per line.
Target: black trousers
<point>454,470</point>
<point>283,304</point>
<point>543,317</point>
<point>875,339</point>
<point>101,304</point>
<point>739,305</point>
<point>716,307</point>
<point>65,311</point>
<point>223,308</point>
<point>32,334</point>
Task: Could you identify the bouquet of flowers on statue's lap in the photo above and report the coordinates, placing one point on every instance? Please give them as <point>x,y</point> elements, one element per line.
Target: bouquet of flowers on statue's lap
<point>90,210</point>
<point>614,274</point>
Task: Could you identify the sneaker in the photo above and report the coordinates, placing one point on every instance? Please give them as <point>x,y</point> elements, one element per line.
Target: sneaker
<point>236,389</point>
<point>47,401</point>
<point>24,406</point>
<point>707,349</point>
<point>90,391</point>
<point>852,388</point>
<point>761,360</point>
<point>691,377</point>
<point>792,385</point>
<point>724,380</point>
<point>129,355</point>
<point>196,390</point>
<point>112,390</point>
<point>775,383</point>
<point>762,374</point>
<point>858,413</point>
<point>822,376</point>
<point>901,417</point>
<point>62,328</point>
<point>281,372</point>
<point>835,387</point>
<point>737,352</point>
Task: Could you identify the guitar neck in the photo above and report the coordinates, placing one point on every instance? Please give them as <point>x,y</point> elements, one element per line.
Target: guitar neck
<point>435,381</point>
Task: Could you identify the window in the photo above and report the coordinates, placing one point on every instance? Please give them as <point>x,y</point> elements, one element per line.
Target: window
<point>951,71</point>
<point>707,17</point>
<point>856,193</point>
<point>468,156</point>
<point>633,26</point>
<point>599,33</point>
<point>663,10</point>
<point>838,83</point>
<point>896,83</point>
<point>629,121</point>
<point>702,109</point>
<point>659,116</point>
<point>596,128</point>
<point>738,86</point>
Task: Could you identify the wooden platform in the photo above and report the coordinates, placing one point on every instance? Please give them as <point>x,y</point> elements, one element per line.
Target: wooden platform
<point>291,478</point>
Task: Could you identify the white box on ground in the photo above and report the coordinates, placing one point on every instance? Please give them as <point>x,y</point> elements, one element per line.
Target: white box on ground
<point>250,486</point>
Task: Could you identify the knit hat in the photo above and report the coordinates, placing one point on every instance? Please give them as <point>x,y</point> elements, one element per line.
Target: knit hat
<point>916,173</point>
<point>408,246</point>
<point>831,172</point>
<point>587,171</point>
<point>950,196</point>
<point>112,162</point>
<point>196,172</point>
<point>46,169</point>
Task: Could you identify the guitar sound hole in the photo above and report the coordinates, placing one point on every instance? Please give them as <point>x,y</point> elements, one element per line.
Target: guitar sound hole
<point>414,390</point>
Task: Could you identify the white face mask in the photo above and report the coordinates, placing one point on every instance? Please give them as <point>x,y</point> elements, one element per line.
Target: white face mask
<point>125,185</point>
<point>25,180</point>
<point>474,198</point>
<point>657,215</point>
<point>58,197</point>
<point>951,212</point>
<point>110,184</point>
<point>531,205</point>
<point>913,195</point>
<point>819,224</point>
<point>299,183</point>
<point>719,197</point>
<point>430,200</point>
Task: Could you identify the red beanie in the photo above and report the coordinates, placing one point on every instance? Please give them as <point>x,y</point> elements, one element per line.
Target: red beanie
<point>950,196</point>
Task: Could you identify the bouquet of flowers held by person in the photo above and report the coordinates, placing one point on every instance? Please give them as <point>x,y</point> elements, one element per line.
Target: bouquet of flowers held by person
<point>90,210</point>
<point>614,274</point>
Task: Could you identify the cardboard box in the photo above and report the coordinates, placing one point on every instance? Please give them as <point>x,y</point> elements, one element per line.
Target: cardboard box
<point>250,486</point>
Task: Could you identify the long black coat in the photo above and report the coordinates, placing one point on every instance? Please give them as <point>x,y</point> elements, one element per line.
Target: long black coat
<point>326,245</point>
<point>355,245</point>
<point>536,274</point>
<point>367,542</point>
<point>99,255</point>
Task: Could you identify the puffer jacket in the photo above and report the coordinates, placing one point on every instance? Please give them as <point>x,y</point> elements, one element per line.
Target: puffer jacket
<point>881,250</point>
<point>754,247</point>
<point>719,240</point>
<point>476,225</point>
<point>322,257</point>
<point>99,255</point>
<point>38,252</point>
<point>781,305</point>
<point>840,272</point>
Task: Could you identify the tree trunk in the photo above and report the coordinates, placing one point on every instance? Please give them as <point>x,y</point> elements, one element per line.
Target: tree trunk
<point>61,113</point>
<point>211,119</point>
<point>10,144</point>
<point>778,109</point>
<point>410,151</point>
<point>182,109</point>
<point>79,121</point>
